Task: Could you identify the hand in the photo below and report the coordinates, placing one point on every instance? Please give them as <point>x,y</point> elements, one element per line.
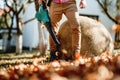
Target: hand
<point>83,4</point>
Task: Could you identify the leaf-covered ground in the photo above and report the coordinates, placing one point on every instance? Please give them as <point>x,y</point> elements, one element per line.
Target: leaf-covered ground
<point>29,66</point>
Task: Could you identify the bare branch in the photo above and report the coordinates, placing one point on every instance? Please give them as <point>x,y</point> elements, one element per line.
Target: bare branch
<point>21,9</point>
<point>5,16</point>
<point>106,11</point>
<point>9,6</point>
<point>24,6</point>
<point>118,4</point>
<point>29,20</point>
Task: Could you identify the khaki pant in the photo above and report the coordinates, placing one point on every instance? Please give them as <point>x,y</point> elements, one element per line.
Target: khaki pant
<point>69,9</point>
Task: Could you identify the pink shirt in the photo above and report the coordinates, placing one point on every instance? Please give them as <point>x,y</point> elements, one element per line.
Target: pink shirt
<point>60,1</point>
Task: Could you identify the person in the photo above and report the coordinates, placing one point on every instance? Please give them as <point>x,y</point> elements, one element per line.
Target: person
<point>43,17</point>
<point>69,9</point>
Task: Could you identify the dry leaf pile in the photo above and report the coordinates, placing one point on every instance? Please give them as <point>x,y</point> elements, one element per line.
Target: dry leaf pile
<point>96,68</point>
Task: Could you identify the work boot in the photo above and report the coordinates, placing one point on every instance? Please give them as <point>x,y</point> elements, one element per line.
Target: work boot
<point>55,55</point>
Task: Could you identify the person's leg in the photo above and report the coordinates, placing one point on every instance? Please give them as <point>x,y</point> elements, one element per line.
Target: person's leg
<point>55,16</point>
<point>72,14</point>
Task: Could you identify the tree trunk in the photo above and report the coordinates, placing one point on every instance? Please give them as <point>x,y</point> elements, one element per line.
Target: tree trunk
<point>19,40</point>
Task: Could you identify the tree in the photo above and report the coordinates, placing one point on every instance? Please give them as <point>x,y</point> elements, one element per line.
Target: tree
<point>17,8</point>
<point>112,9</point>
